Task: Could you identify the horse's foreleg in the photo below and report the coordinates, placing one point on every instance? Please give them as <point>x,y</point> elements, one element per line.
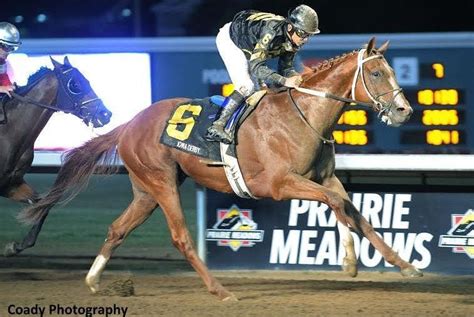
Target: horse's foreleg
<point>137,212</point>
<point>349,264</point>
<point>168,199</point>
<point>379,244</point>
<point>296,187</point>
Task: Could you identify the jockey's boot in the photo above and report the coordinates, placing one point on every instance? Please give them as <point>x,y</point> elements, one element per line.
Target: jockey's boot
<point>216,131</point>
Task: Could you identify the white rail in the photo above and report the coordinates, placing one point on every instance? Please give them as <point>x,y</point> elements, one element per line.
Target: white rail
<point>351,162</point>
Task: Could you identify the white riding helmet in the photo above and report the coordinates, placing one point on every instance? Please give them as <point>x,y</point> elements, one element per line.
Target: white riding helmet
<point>9,35</point>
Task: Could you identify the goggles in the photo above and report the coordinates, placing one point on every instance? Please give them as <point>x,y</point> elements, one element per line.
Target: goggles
<point>301,34</point>
<point>8,48</point>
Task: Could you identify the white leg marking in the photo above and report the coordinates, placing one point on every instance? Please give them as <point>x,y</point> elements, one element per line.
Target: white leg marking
<point>93,277</point>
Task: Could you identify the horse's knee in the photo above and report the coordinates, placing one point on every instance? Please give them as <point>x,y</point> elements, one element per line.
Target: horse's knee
<point>335,201</point>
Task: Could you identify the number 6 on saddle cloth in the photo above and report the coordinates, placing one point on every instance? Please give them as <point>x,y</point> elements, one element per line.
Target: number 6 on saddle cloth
<point>189,121</point>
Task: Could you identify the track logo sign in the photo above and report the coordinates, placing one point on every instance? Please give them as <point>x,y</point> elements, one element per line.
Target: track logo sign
<point>461,236</point>
<point>235,228</point>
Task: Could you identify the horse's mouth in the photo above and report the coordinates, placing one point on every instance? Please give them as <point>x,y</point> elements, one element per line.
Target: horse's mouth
<point>392,120</point>
<point>96,123</point>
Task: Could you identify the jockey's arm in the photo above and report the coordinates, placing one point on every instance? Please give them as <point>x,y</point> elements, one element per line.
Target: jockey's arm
<point>285,65</point>
<point>258,59</point>
<point>6,90</point>
<point>5,85</point>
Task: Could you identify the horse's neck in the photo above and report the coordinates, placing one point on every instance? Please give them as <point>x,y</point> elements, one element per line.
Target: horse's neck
<point>28,119</point>
<point>323,113</point>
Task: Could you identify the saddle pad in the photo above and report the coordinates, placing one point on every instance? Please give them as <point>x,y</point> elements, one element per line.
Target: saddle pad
<point>187,126</point>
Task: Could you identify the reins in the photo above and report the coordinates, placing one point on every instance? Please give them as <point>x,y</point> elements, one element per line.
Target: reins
<point>376,104</point>
<point>300,112</point>
<point>328,95</point>
<point>33,102</point>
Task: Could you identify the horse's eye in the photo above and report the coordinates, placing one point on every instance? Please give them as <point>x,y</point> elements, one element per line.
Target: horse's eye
<point>376,74</point>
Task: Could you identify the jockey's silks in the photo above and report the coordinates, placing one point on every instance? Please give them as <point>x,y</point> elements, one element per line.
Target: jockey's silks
<point>4,79</point>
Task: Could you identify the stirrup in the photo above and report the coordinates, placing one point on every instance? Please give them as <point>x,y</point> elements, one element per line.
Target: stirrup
<point>214,136</point>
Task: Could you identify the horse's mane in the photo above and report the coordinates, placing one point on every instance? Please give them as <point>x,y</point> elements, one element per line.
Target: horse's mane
<point>32,79</point>
<point>324,65</point>
<point>37,75</point>
<point>328,63</point>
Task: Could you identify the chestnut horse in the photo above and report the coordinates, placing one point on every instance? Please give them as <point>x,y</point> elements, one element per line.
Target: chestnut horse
<point>284,148</point>
<point>63,89</point>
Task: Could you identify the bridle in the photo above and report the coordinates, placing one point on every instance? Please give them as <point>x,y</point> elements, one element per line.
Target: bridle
<point>64,95</point>
<point>377,103</point>
<point>68,93</point>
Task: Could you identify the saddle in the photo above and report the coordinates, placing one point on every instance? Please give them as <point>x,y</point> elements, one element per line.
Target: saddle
<point>188,125</point>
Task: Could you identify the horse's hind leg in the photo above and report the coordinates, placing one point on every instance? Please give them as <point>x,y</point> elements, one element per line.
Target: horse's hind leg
<point>137,212</point>
<point>23,192</point>
<point>167,196</point>
<point>13,248</point>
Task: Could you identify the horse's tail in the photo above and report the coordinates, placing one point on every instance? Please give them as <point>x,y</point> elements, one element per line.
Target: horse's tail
<point>98,155</point>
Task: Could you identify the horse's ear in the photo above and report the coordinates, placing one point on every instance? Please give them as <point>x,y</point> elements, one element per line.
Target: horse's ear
<point>383,48</point>
<point>55,63</point>
<point>370,45</point>
<point>66,62</point>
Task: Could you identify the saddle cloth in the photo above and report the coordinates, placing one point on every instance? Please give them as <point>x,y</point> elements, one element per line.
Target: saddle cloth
<point>187,126</point>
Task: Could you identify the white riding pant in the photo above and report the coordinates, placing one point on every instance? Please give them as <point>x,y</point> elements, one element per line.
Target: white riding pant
<point>235,62</point>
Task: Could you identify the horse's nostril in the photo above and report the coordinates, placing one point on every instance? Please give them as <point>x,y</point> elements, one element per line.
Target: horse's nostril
<point>403,109</point>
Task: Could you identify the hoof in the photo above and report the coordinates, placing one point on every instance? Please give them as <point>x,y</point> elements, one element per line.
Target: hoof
<point>411,272</point>
<point>223,294</point>
<point>350,267</point>
<point>92,284</point>
<point>230,298</point>
<point>11,249</point>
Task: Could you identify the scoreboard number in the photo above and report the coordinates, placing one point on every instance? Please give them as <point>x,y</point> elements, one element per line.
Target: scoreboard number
<point>407,70</point>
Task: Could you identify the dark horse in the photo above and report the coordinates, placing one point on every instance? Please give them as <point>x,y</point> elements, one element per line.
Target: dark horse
<point>62,89</point>
<point>283,150</point>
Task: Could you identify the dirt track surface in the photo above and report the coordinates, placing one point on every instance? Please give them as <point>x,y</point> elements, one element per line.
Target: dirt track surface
<point>261,293</point>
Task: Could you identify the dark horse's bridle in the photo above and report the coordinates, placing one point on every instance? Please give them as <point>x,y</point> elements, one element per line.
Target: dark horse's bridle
<point>377,103</point>
<point>67,99</point>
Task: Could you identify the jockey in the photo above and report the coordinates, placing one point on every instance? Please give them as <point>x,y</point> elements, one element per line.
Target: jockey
<point>248,42</point>
<point>9,42</point>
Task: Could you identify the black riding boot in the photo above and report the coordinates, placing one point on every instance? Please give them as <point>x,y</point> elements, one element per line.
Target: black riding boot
<point>216,131</point>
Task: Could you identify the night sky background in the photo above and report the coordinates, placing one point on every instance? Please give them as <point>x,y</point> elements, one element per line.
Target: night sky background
<point>148,18</point>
